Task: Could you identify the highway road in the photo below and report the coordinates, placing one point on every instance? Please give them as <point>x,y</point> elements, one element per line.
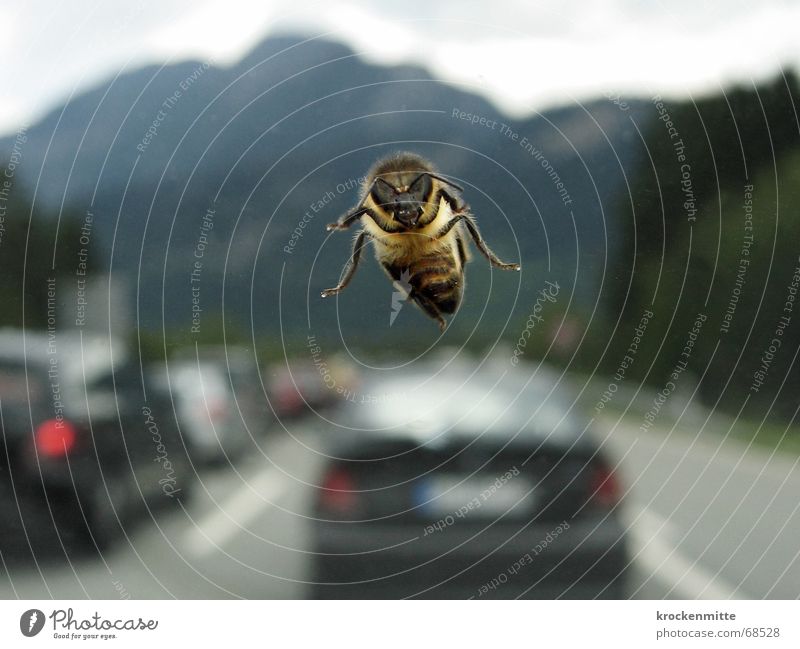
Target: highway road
<point>710,517</point>
<point>707,520</point>
<point>242,535</point>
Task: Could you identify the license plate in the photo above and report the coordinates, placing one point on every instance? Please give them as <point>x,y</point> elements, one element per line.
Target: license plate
<point>470,498</point>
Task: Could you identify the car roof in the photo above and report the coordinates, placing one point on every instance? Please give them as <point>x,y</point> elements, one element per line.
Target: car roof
<point>186,375</point>
<point>488,402</point>
<point>88,355</point>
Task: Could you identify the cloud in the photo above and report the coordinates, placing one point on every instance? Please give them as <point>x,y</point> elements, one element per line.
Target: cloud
<point>523,56</point>
<point>222,31</point>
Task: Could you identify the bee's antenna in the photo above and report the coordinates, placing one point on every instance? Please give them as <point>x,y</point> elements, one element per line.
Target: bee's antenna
<point>445,181</point>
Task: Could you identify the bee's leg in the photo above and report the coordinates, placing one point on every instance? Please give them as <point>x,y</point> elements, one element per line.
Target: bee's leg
<point>456,203</point>
<point>347,220</point>
<point>430,309</point>
<point>350,267</point>
<point>481,244</point>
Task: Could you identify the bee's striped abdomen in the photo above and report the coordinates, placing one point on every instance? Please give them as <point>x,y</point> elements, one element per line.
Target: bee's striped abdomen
<point>439,277</point>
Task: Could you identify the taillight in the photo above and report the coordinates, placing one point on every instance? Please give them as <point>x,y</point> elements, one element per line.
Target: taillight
<point>604,488</point>
<point>289,399</point>
<point>217,410</point>
<point>337,492</point>
<point>55,437</point>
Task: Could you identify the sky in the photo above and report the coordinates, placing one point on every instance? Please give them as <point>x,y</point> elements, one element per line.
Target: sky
<point>524,56</point>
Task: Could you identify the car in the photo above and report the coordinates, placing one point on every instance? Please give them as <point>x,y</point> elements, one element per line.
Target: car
<point>86,444</point>
<point>317,384</point>
<point>467,480</point>
<point>240,371</point>
<point>209,416</point>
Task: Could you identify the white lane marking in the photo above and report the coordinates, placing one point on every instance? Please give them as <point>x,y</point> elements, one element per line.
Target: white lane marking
<point>234,514</point>
<point>656,555</point>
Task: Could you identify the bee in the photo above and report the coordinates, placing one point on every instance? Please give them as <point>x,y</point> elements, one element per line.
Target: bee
<point>418,224</point>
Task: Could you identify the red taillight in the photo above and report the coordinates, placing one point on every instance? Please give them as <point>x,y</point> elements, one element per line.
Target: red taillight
<point>337,492</point>
<point>289,399</point>
<point>55,437</point>
<point>217,410</point>
<point>604,487</point>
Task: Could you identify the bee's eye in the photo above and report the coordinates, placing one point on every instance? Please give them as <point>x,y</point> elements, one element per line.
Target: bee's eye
<point>421,188</point>
<point>382,192</point>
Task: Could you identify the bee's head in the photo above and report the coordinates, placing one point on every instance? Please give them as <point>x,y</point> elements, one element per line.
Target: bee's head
<point>404,202</point>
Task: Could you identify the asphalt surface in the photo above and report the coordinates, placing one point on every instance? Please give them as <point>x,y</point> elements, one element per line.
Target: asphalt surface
<point>710,517</point>
<point>708,520</point>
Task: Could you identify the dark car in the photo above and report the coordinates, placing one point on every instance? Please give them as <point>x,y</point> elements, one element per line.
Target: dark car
<point>85,443</point>
<point>237,368</point>
<point>317,384</point>
<point>467,482</point>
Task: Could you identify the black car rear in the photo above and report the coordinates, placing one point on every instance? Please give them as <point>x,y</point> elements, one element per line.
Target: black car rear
<point>447,504</point>
<point>84,444</point>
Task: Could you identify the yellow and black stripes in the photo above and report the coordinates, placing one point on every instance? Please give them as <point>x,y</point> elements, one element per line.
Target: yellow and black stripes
<point>439,276</point>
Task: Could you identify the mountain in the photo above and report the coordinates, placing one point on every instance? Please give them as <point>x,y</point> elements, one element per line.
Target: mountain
<point>192,167</point>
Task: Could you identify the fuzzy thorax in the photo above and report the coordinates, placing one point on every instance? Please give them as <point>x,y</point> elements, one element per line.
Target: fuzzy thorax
<point>409,245</point>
